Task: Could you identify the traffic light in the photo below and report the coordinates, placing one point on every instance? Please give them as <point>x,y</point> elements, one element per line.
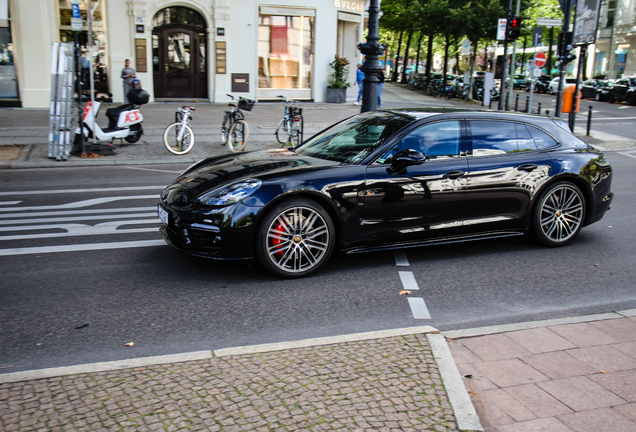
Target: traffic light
<point>514,29</point>
<point>564,48</point>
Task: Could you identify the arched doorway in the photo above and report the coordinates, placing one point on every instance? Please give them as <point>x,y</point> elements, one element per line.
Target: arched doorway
<point>179,54</point>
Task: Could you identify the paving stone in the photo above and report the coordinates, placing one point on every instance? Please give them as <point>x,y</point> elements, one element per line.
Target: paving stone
<point>540,340</point>
<point>603,419</point>
<point>583,334</point>
<point>581,393</point>
<point>604,358</point>
<point>559,364</point>
<point>495,347</point>
<point>539,402</point>
<point>549,424</point>
<point>507,373</point>
<point>621,383</point>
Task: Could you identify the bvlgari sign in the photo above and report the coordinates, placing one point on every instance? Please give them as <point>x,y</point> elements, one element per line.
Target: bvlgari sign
<point>356,6</point>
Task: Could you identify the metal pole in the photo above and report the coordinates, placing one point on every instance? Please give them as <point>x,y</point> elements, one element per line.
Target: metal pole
<point>89,18</point>
<point>562,65</point>
<point>539,109</point>
<point>372,49</point>
<point>575,98</point>
<point>532,83</point>
<point>528,106</point>
<point>505,60</point>
<point>78,88</point>
<point>589,120</point>
<point>513,60</point>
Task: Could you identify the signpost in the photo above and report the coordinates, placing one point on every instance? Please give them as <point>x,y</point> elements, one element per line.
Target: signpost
<point>539,61</point>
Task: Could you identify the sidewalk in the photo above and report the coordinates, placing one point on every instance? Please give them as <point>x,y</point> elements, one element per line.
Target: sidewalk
<point>564,375</point>
<point>24,132</point>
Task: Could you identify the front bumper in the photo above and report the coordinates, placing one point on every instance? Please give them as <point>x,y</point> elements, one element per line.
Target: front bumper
<point>224,233</point>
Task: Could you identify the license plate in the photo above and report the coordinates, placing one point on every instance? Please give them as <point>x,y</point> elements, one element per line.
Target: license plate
<point>163,215</point>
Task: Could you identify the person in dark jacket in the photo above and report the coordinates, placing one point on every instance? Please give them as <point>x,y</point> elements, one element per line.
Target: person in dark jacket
<point>380,85</point>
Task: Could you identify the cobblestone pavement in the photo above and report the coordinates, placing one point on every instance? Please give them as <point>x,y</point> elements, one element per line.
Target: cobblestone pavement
<point>389,384</point>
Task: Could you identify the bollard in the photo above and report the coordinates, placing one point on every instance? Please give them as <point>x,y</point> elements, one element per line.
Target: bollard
<point>490,103</point>
<point>589,120</point>
<point>528,107</point>
<point>547,113</point>
<point>539,109</point>
<point>517,103</point>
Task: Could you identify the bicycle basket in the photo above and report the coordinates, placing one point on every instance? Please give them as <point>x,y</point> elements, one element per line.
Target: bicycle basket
<point>246,104</point>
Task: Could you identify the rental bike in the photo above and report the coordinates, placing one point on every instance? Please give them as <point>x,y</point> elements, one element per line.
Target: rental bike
<point>234,129</point>
<point>290,128</point>
<point>178,137</point>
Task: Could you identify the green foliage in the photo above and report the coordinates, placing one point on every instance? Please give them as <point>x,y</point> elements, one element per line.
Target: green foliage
<point>338,78</point>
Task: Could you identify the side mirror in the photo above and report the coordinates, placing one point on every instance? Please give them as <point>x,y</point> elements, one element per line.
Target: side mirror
<point>406,158</point>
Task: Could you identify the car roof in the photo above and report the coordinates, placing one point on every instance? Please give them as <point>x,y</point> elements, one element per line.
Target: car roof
<point>418,113</point>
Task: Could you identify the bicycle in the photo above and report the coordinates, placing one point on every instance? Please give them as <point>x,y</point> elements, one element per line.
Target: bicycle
<point>178,137</point>
<point>234,130</point>
<point>292,124</point>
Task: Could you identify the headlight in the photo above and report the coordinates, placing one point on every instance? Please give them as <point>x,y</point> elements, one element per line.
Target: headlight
<point>230,194</point>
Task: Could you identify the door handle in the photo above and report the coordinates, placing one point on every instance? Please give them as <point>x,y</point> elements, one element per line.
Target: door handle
<point>453,174</point>
<point>528,167</point>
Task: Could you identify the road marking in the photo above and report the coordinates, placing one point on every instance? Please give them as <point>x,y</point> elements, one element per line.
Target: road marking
<point>418,308</point>
<point>624,107</point>
<point>81,247</point>
<point>77,218</point>
<point>73,212</point>
<point>594,119</point>
<point>400,258</point>
<point>156,170</point>
<point>61,191</point>
<point>408,281</point>
<point>75,230</point>
<point>80,204</point>
<point>627,154</point>
<point>10,202</point>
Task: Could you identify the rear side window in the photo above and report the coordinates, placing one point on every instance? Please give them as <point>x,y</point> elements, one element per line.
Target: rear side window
<point>541,139</point>
<point>493,137</point>
<point>526,143</point>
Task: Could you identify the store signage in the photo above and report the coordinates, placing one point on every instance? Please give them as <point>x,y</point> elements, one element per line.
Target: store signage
<point>221,57</point>
<point>220,31</point>
<point>502,25</point>
<point>140,28</point>
<point>357,6</point>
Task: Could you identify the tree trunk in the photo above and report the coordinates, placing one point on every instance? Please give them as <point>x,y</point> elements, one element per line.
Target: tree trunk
<point>485,66</point>
<point>419,48</point>
<point>549,62</point>
<point>445,62</point>
<point>473,57</point>
<point>523,54</point>
<point>397,57</point>
<point>406,58</point>
<point>429,56</point>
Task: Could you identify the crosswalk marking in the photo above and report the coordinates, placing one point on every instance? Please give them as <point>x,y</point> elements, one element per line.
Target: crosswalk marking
<point>81,247</point>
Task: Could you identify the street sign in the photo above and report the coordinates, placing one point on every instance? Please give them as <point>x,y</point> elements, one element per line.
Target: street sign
<point>76,18</point>
<point>536,72</point>
<point>540,59</point>
<point>549,22</point>
<point>502,26</point>
<point>75,2</point>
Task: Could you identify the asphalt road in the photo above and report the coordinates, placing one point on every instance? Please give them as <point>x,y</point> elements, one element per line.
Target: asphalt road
<point>85,272</point>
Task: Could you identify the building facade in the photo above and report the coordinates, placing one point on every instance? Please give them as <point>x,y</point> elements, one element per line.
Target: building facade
<point>190,49</point>
<point>615,48</point>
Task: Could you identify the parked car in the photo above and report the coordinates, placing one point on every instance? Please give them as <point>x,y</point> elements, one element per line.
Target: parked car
<point>596,89</point>
<point>541,84</point>
<point>554,84</point>
<point>519,81</point>
<point>389,179</point>
<point>623,89</point>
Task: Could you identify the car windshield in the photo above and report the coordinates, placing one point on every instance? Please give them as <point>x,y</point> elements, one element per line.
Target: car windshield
<point>570,80</point>
<point>520,77</point>
<point>633,81</point>
<point>602,83</point>
<point>355,138</point>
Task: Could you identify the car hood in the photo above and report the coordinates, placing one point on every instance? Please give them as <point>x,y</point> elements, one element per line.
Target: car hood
<point>215,172</point>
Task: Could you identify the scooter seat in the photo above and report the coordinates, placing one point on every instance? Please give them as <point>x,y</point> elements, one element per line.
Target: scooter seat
<point>113,113</point>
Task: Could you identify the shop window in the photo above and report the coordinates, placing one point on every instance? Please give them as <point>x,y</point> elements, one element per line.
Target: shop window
<point>285,52</point>
<point>8,78</point>
<point>99,46</point>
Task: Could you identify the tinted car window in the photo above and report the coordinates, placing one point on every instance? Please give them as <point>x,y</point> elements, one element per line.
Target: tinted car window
<point>436,140</point>
<point>541,139</point>
<point>352,140</point>
<point>493,137</point>
<point>526,143</point>
<point>632,81</point>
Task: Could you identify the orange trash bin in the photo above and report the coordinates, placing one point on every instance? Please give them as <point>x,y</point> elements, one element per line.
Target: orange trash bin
<point>568,95</point>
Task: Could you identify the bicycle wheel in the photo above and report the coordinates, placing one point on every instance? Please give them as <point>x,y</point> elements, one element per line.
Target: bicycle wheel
<point>282,135</point>
<point>171,139</point>
<point>239,132</point>
<point>225,129</point>
<point>296,137</point>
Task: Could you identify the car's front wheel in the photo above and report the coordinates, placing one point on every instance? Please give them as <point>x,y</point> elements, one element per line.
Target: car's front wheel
<point>597,97</point>
<point>558,215</point>
<point>295,239</point>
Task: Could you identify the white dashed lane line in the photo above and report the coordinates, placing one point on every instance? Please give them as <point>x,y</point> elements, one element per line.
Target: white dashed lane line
<point>417,304</point>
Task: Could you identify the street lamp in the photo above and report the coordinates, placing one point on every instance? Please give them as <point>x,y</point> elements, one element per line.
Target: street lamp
<point>371,67</point>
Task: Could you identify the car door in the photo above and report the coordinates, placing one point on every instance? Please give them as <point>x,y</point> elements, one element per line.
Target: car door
<point>505,170</point>
<point>588,89</point>
<point>411,203</point>
<point>619,89</point>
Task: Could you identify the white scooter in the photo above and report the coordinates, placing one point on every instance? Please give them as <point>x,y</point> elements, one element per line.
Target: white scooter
<point>124,121</point>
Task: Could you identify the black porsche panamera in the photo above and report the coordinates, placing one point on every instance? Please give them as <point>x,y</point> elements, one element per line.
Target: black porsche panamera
<point>390,179</point>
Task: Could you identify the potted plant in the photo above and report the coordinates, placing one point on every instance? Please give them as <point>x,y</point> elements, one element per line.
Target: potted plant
<point>337,84</point>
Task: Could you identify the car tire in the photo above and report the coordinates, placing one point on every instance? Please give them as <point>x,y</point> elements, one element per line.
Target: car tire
<point>611,99</point>
<point>597,97</point>
<point>558,215</point>
<point>295,238</point>
<point>551,91</point>
<point>631,99</point>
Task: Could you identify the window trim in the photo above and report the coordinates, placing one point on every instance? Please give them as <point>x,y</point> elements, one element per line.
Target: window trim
<point>469,137</point>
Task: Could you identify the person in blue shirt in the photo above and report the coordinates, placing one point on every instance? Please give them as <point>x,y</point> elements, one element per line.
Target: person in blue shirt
<point>359,78</point>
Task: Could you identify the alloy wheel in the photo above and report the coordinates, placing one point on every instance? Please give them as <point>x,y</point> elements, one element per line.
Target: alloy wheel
<point>561,214</point>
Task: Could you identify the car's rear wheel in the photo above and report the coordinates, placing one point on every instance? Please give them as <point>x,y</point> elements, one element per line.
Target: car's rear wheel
<point>558,215</point>
<point>597,97</point>
<point>295,239</point>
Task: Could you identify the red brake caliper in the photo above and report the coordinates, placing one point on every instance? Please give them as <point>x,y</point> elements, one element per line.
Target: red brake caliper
<point>277,241</point>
